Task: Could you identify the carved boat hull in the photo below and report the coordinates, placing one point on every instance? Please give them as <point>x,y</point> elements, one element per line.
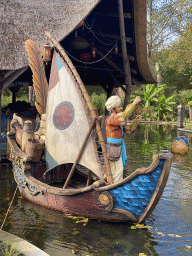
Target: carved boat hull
<point>132,199</point>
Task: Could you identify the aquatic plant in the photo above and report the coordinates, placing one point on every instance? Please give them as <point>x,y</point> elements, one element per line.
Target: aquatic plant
<point>8,250</point>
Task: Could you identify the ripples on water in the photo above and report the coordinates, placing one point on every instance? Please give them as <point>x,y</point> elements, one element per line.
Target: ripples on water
<point>170,222</point>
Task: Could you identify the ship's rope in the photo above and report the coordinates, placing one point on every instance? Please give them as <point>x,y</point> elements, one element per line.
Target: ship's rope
<point>9,208</point>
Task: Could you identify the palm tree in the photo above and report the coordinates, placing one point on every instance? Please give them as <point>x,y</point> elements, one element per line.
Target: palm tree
<point>148,96</point>
<point>164,107</point>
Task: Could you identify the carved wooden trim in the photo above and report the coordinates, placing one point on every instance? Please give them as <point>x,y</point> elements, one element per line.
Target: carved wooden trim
<point>127,213</point>
<point>25,184</point>
<point>140,23</point>
<point>158,191</point>
<point>102,198</point>
<point>14,146</point>
<point>137,172</point>
<point>53,190</point>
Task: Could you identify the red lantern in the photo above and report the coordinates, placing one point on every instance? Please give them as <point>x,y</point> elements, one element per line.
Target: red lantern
<point>93,52</point>
<point>116,48</point>
<point>46,52</point>
<point>86,56</point>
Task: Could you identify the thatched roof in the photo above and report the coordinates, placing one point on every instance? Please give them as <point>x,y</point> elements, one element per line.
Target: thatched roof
<point>29,19</point>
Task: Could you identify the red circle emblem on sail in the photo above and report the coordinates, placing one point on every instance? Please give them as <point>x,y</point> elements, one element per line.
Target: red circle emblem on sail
<point>63,115</point>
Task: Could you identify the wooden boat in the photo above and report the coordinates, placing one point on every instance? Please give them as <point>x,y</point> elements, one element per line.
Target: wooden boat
<point>70,178</point>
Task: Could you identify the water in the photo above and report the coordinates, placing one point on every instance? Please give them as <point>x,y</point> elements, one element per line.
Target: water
<point>170,225</point>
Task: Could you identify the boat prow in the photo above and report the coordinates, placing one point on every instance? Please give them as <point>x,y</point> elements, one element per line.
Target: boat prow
<point>138,194</point>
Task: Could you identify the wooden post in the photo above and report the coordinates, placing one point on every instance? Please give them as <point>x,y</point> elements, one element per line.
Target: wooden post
<point>180,116</point>
<point>31,96</point>
<point>2,76</point>
<point>8,129</point>
<point>88,101</point>
<point>1,83</point>
<point>159,79</point>
<point>126,65</point>
<point>14,75</point>
<point>88,179</point>
<point>80,153</point>
<point>14,94</point>
<point>190,112</point>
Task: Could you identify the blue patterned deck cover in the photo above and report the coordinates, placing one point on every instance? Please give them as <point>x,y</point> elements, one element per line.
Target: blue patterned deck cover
<point>182,138</point>
<point>135,195</point>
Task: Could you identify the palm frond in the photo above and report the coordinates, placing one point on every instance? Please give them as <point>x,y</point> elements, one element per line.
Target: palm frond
<point>39,78</point>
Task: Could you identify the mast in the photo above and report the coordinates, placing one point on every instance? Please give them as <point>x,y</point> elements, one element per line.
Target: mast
<point>88,101</point>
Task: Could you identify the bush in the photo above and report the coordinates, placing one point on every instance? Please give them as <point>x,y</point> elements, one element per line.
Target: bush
<point>98,101</point>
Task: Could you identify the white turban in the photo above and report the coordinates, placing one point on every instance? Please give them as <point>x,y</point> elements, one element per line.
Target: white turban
<point>112,102</point>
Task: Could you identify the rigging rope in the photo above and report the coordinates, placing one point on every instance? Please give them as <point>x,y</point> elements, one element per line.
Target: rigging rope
<point>88,27</point>
<point>103,35</point>
<point>9,208</point>
<point>93,61</point>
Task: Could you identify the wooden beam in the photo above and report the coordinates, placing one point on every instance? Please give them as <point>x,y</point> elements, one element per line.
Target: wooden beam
<point>110,62</point>
<point>127,15</point>
<point>112,14</point>
<point>136,82</point>
<point>126,64</point>
<point>117,82</point>
<point>13,77</point>
<point>134,71</point>
<point>8,73</point>
<point>116,37</point>
<point>0,116</point>
<point>115,67</point>
<point>2,75</point>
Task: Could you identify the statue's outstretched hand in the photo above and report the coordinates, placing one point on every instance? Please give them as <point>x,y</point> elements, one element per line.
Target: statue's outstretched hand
<point>136,100</point>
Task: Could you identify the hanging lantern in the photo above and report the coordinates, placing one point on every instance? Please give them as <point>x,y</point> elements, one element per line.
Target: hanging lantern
<point>93,52</point>
<point>116,48</point>
<point>79,43</point>
<point>46,52</point>
<point>76,33</point>
<point>86,56</point>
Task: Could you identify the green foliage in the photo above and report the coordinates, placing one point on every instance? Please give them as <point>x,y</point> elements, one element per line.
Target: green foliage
<point>184,97</point>
<point>6,92</point>
<point>98,102</point>
<point>177,79</point>
<point>148,96</point>
<point>98,89</point>
<point>166,22</point>
<point>8,99</point>
<point>164,108</point>
<point>8,250</point>
<point>189,103</point>
<point>156,105</point>
<point>175,62</point>
<point>22,94</point>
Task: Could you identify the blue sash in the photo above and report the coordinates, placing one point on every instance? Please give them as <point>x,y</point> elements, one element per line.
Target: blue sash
<point>123,148</point>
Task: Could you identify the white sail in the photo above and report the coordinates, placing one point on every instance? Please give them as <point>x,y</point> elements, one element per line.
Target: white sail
<point>67,121</point>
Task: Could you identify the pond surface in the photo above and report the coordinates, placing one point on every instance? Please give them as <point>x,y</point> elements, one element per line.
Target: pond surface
<point>170,224</point>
